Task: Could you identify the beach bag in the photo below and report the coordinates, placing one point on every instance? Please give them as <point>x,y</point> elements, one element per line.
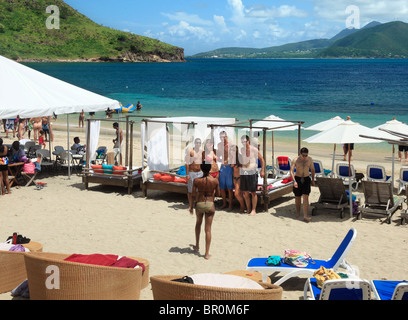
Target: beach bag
<point>323,274</point>
<point>3,161</point>
<point>29,167</point>
<point>297,258</point>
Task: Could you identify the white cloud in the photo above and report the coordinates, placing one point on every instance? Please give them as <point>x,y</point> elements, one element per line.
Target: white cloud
<point>284,11</point>
<point>220,22</point>
<point>189,18</point>
<point>383,11</point>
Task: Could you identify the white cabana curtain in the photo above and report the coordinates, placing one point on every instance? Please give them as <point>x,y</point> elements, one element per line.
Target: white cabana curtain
<point>94,130</point>
<point>155,146</point>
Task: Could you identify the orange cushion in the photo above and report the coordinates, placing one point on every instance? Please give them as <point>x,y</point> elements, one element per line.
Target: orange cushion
<point>167,178</point>
<point>180,180</point>
<point>116,168</point>
<point>157,176</point>
<point>96,167</point>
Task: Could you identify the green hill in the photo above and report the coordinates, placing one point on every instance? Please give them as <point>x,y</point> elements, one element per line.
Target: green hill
<point>389,40</point>
<point>375,40</point>
<point>24,36</point>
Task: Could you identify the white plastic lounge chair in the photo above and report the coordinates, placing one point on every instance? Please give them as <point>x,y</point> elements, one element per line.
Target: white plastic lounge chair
<point>283,166</point>
<point>379,200</point>
<point>390,290</point>
<point>343,172</point>
<point>318,165</point>
<point>403,179</point>
<point>376,173</point>
<point>340,289</point>
<point>333,195</point>
<point>336,261</point>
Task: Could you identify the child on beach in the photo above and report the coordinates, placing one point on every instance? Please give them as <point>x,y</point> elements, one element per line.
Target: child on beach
<point>41,140</point>
<point>204,190</point>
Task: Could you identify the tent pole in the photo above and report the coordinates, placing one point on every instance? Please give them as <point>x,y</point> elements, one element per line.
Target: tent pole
<point>350,189</point>
<point>393,157</point>
<point>265,185</point>
<point>69,162</point>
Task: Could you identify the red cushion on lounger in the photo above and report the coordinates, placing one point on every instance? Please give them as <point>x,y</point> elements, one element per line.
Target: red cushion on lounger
<point>95,167</point>
<point>167,178</point>
<point>119,170</point>
<point>157,176</point>
<point>180,180</point>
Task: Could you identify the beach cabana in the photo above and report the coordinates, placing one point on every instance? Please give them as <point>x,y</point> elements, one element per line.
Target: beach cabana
<point>161,149</point>
<point>28,93</point>
<point>127,176</point>
<point>275,187</point>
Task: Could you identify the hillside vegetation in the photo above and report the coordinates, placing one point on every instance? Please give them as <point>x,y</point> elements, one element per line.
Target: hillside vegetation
<point>375,40</point>
<point>24,36</point>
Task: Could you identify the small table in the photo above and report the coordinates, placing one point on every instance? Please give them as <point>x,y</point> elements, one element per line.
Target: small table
<point>253,275</point>
<point>15,171</point>
<point>33,246</point>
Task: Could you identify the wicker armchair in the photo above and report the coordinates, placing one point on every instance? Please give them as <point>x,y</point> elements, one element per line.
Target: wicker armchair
<point>165,289</point>
<point>12,270</point>
<point>79,281</point>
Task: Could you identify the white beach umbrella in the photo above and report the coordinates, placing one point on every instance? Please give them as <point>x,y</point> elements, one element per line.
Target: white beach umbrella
<point>327,124</point>
<point>347,132</point>
<point>324,125</point>
<point>395,126</point>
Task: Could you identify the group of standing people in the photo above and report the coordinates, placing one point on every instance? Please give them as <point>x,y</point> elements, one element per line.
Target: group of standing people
<point>40,126</point>
<point>238,171</point>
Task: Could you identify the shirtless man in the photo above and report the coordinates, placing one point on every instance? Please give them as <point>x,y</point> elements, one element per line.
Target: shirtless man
<point>193,169</point>
<point>37,126</point>
<point>204,190</point>
<point>249,175</point>
<point>302,181</point>
<point>226,171</point>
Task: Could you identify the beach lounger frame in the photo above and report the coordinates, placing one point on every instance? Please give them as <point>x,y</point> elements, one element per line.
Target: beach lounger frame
<point>390,290</point>
<point>346,178</point>
<point>379,200</point>
<point>377,169</point>
<point>337,260</point>
<point>333,195</point>
<point>402,181</point>
<point>339,289</point>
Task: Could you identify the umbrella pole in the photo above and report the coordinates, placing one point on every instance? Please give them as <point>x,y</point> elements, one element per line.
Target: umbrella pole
<point>69,163</point>
<point>393,157</point>
<point>334,156</point>
<point>350,191</point>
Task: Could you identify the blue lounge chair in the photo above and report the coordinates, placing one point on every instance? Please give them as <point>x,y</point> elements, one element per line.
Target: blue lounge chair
<point>336,261</point>
<point>390,290</point>
<point>377,173</point>
<point>348,174</point>
<point>341,289</point>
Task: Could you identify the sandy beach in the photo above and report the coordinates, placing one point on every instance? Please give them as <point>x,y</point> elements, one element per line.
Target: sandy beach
<point>66,218</point>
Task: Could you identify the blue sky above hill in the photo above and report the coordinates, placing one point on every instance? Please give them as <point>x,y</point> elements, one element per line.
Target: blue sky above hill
<point>199,25</point>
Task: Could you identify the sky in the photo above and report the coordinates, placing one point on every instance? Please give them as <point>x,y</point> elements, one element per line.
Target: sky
<point>205,25</point>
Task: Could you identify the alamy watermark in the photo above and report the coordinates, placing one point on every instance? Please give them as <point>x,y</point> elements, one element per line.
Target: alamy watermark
<point>53,21</point>
<point>353,20</point>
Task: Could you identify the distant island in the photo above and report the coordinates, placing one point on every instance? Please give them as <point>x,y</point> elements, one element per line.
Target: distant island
<point>25,37</point>
<point>375,40</point>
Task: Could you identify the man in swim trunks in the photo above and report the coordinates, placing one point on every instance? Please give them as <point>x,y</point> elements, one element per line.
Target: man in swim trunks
<point>193,169</point>
<point>302,181</point>
<point>249,175</point>
<point>204,190</point>
<point>118,142</point>
<point>226,171</point>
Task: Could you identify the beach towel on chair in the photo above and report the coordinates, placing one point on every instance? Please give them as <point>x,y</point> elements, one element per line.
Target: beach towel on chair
<point>297,258</point>
<point>284,163</point>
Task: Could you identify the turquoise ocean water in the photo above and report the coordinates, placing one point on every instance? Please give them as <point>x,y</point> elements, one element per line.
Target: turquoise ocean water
<point>370,91</point>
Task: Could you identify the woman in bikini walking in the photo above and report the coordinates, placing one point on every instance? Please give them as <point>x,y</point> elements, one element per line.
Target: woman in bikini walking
<point>204,190</point>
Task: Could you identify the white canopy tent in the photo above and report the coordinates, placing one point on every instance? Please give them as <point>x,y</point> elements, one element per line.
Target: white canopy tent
<point>28,93</point>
